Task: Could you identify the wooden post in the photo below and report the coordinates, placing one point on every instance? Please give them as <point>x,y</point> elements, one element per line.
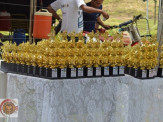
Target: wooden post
<point>35,6</point>
<point>34,10</point>
<point>31,21</point>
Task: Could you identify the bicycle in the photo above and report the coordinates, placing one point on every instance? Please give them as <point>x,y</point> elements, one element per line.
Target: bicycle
<point>131,27</point>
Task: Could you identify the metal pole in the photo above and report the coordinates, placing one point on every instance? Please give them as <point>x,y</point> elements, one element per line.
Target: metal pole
<point>147,10</point>
<point>155,12</point>
<point>147,17</point>
<point>160,29</point>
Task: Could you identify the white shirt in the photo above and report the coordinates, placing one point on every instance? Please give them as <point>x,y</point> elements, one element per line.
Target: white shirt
<point>72,16</point>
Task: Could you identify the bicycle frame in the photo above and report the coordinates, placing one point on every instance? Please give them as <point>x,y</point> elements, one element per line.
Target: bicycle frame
<point>133,32</point>
<point>131,27</point>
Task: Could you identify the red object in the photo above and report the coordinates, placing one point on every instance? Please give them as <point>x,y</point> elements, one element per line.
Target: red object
<point>134,44</point>
<point>5,23</point>
<point>42,24</point>
<point>102,30</point>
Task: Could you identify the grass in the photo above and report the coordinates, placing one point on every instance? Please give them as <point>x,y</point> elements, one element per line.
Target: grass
<point>142,24</point>
<point>4,32</point>
<point>123,10</point>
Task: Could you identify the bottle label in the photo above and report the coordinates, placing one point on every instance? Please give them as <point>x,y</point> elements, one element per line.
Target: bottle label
<point>144,73</point>
<point>154,72</point>
<point>115,70</point>
<point>106,71</point>
<point>150,73</point>
<point>63,73</point>
<point>98,71</point>
<point>121,70</point>
<point>80,72</point>
<point>90,71</point>
<point>73,72</point>
<point>54,73</point>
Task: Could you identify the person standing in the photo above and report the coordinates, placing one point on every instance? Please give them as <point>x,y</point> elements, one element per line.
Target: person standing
<point>93,20</point>
<point>72,14</point>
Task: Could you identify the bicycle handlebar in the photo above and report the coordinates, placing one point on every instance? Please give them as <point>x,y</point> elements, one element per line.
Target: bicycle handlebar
<point>126,23</point>
<point>137,17</point>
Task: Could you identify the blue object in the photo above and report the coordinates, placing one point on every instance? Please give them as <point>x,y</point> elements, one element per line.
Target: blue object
<point>119,30</point>
<point>19,36</point>
<point>90,19</point>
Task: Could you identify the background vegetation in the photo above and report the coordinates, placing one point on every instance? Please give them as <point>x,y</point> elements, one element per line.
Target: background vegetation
<point>123,10</point>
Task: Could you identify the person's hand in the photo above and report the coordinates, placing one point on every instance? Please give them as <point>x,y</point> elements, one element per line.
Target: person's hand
<point>107,27</point>
<point>105,15</point>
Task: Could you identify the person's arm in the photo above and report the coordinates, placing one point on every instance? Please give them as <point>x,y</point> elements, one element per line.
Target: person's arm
<point>94,10</point>
<point>102,24</point>
<point>1,35</point>
<point>51,10</point>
